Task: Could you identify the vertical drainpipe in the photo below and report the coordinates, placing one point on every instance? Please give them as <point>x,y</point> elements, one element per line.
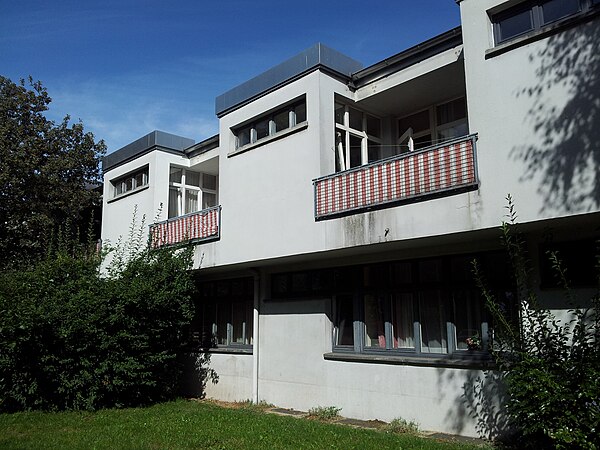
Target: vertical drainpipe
<point>255,346</point>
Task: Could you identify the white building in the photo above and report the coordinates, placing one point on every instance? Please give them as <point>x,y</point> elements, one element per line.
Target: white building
<point>335,215</point>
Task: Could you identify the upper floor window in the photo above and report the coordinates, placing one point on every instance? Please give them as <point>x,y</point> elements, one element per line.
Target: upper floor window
<point>190,191</point>
<point>433,125</point>
<point>270,124</point>
<point>130,182</point>
<point>535,15</point>
<point>357,137</point>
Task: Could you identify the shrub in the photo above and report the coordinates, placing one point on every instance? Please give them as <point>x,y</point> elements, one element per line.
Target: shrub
<point>325,413</point>
<point>71,339</point>
<point>551,369</point>
<point>401,426</point>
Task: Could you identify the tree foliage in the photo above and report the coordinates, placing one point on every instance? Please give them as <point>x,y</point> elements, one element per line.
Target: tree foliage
<point>551,368</point>
<point>72,339</point>
<point>46,170</point>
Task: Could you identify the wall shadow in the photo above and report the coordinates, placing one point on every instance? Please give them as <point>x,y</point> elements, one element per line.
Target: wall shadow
<point>566,153</point>
<point>196,373</point>
<point>482,400</point>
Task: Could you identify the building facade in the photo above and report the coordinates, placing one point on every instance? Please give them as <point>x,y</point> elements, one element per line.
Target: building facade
<point>336,214</point>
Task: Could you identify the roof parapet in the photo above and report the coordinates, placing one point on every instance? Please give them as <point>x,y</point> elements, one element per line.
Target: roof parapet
<point>164,141</point>
<point>310,59</point>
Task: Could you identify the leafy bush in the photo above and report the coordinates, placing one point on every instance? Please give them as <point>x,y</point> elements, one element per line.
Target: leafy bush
<point>71,339</point>
<point>401,426</point>
<point>325,413</point>
<point>551,369</point>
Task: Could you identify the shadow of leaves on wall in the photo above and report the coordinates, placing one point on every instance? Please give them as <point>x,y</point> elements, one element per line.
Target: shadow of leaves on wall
<point>566,153</point>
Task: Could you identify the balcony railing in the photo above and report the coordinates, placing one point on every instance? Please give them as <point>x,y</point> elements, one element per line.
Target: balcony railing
<point>436,170</point>
<point>195,227</point>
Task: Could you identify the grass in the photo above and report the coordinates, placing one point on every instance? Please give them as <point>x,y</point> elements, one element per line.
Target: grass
<point>324,413</point>
<point>188,424</point>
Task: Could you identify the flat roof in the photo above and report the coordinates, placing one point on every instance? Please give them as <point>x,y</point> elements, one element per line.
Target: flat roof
<point>164,141</point>
<point>317,56</point>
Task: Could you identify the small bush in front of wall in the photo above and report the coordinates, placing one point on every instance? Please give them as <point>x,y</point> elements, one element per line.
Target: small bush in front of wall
<point>551,368</point>
<point>325,413</point>
<point>401,426</point>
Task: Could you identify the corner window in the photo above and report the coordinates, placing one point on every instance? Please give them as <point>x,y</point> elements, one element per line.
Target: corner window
<point>190,191</point>
<point>130,182</point>
<point>281,119</point>
<point>535,15</point>
<point>433,125</point>
<point>357,137</point>
<point>224,312</point>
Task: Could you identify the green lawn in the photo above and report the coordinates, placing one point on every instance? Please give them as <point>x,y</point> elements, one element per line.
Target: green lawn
<point>190,424</point>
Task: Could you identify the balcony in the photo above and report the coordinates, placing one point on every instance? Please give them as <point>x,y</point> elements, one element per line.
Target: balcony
<point>440,170</point>
<point>200,226</point>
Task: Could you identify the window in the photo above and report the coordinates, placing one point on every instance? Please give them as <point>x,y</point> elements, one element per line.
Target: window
<point>419,307</point>
<point>357,137</point>
<point>535,15</point>
<point>190,191</point>
<point>130,182</point>
<point>433,125</point>
<point>577,258</point>
<point>281,119</point>
<point>224,312</point>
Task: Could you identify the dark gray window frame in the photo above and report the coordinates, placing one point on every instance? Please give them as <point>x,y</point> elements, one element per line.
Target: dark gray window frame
<point>538,23</point>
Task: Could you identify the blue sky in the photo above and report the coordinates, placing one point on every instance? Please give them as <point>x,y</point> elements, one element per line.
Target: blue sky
<point>127,67</point>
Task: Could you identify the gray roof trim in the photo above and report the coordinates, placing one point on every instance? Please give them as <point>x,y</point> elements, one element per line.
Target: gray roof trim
<point>317,56</point>
<point>203,146</point>
<point>409,57</point>
<point>156,140</point>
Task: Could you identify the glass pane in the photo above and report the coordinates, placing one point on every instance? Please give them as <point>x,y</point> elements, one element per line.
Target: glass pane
<point>418,122</point>
<point>239,323</point>
<point>451,111</point>
<point>262,128</point>
<point>281,120</point>
<point>344,320</point>
<point>515,24</point>
<point>208,200</point>
<point>467,319</point>
<point>422,142</point>
<point>433,322</point>
<point>458,130</point>
<point>209,181</point>
<point>173,202</point>
<point>140,179</point>
<point>557,9</point>
<point>191,201</point>
<point>300,111</point>
<point>402,321</point>
<point>223,319</point>
<point>356,119</point>
<point>373,126</point>
<point>175,175</point>
<point>128,184</point>
<point>355,151</point>
<point>243,137</point>
<point>192,178</point>
<point>401,273</point>
<point>374,149</point>
<point>374,322</point>
<point>430,270</point>
<point>339,113</point>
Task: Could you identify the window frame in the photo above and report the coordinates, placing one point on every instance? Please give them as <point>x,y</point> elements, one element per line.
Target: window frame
<point>206,301</point>
<point>182,190</point>
<point>271,129</point>
<point>434,127</point>
<point>132,177</point>
<point>344,132</point>
<point>539,24</point>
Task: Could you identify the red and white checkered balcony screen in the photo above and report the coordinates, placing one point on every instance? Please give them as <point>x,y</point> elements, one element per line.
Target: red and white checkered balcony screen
<point>197,226</point>
<point>407,176</point>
